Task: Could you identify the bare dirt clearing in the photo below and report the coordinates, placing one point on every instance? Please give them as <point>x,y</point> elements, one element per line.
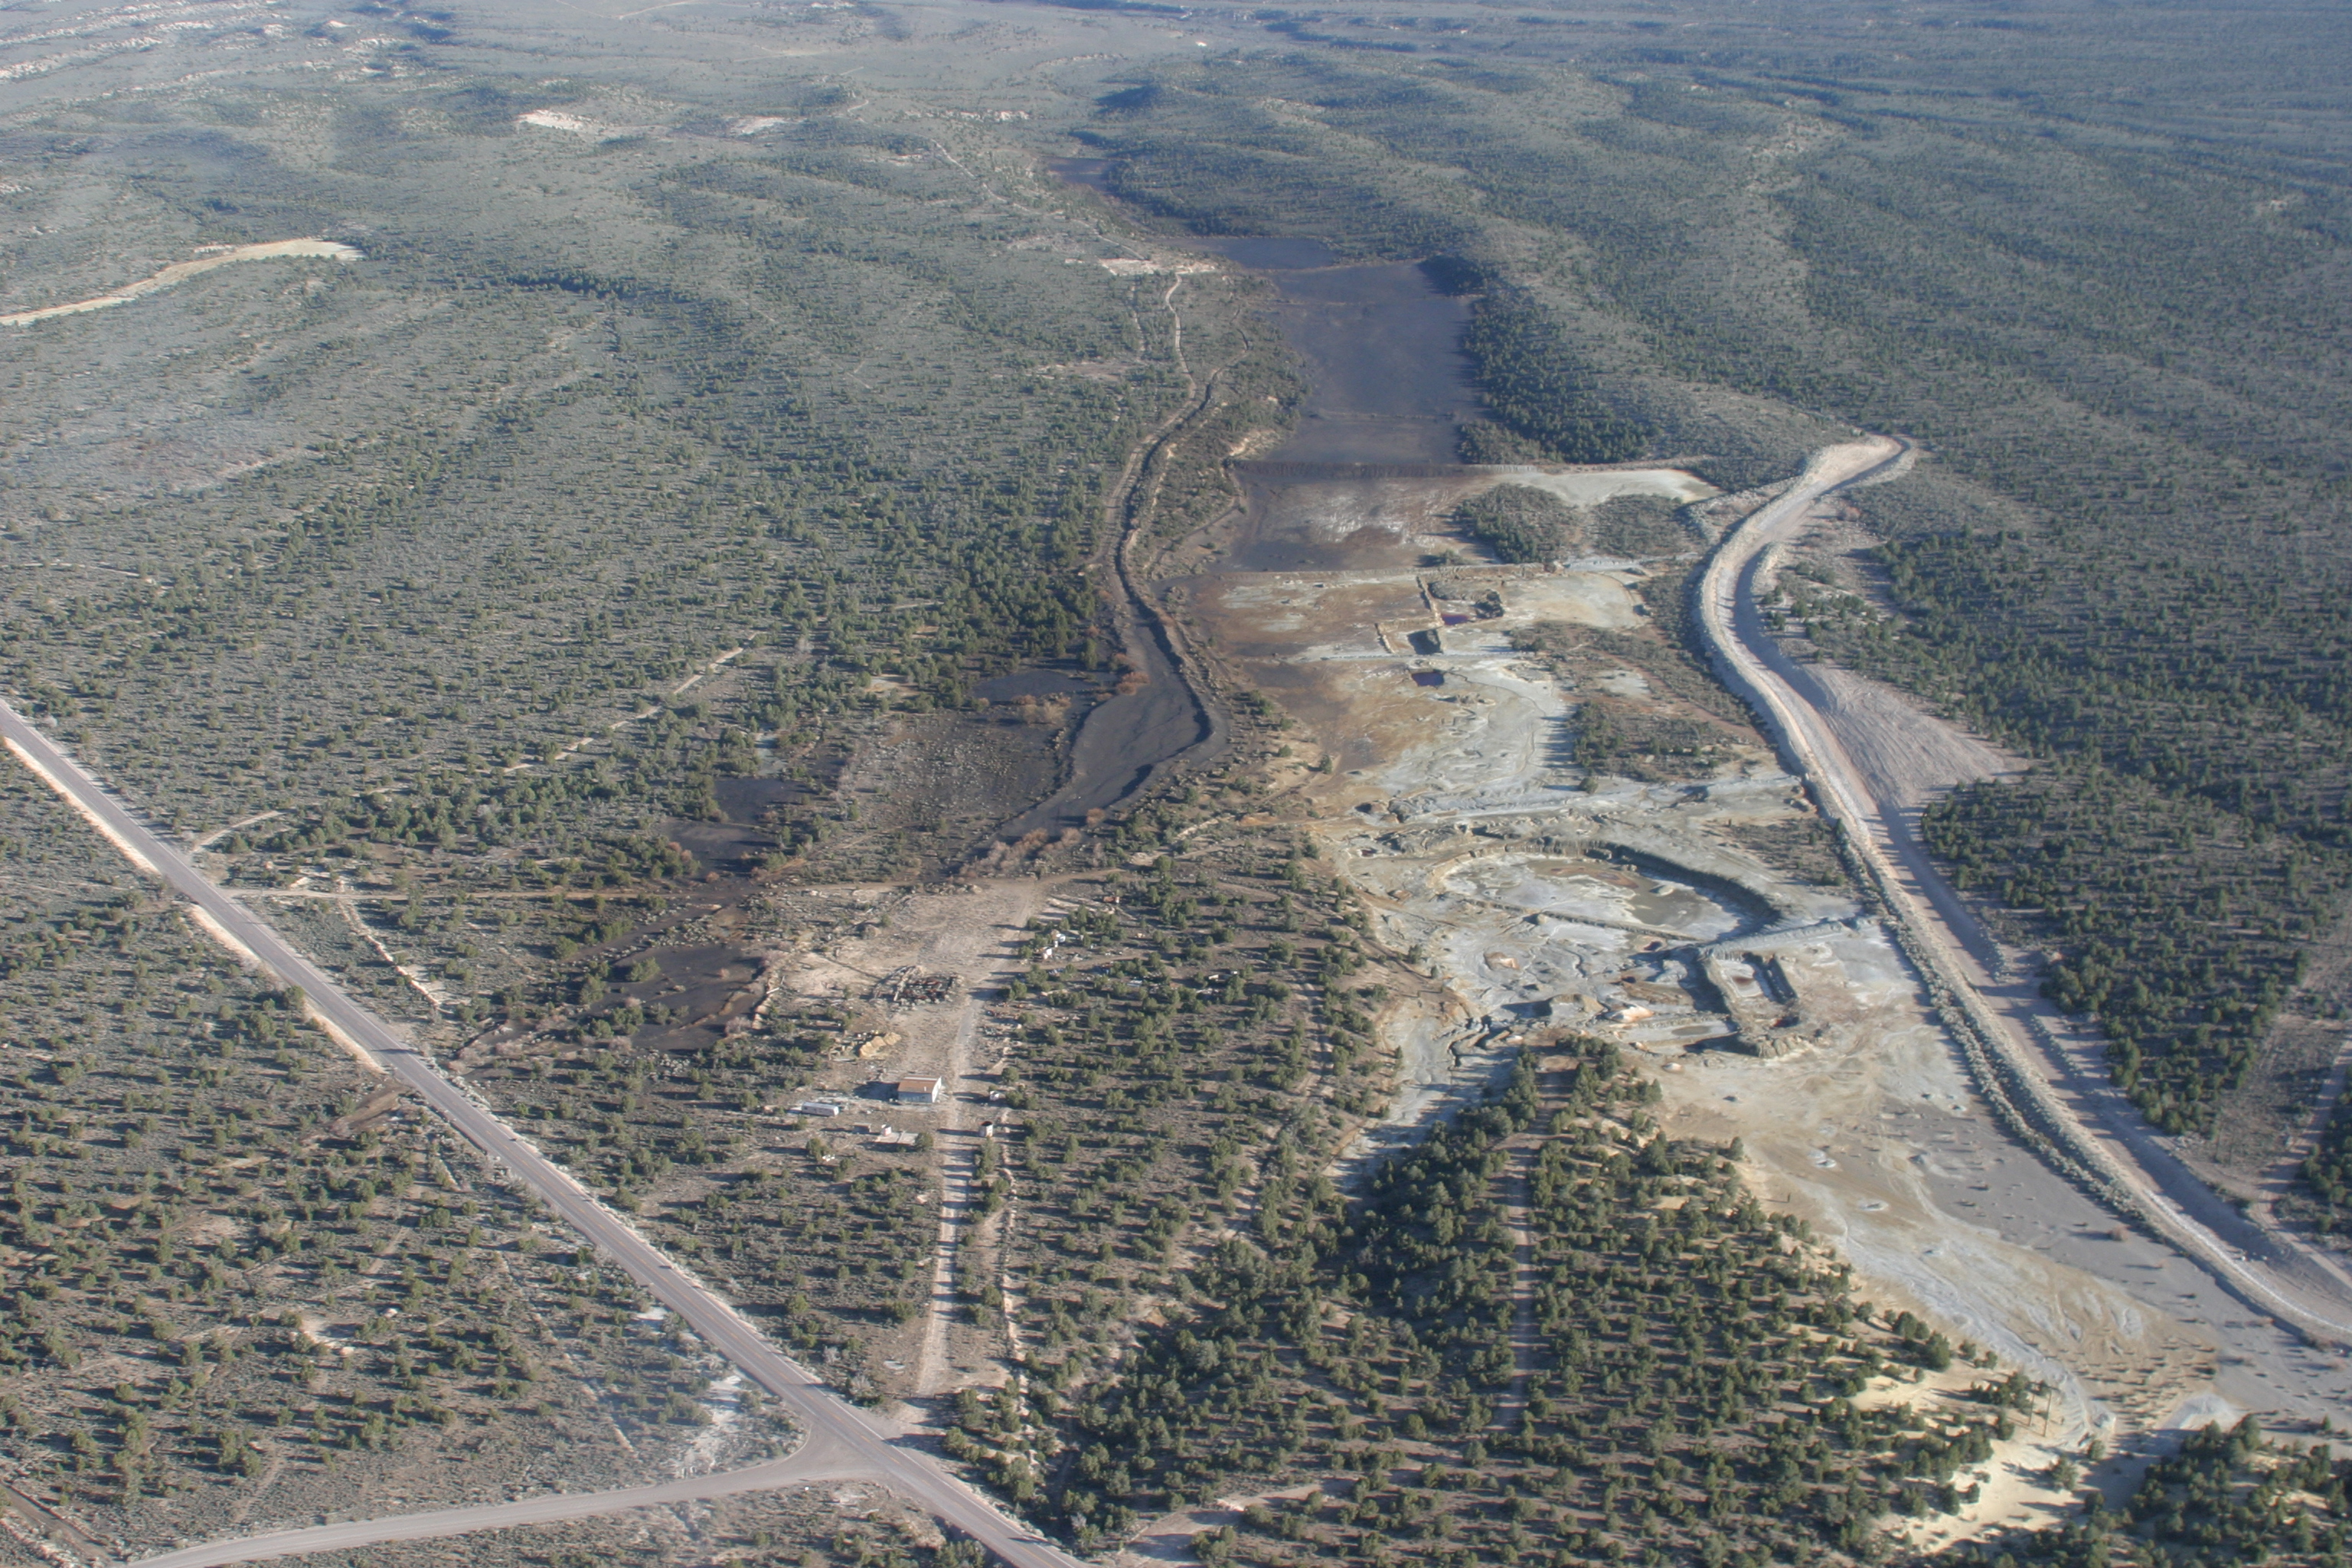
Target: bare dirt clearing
<point>181,271</point>
<point>962,938</point>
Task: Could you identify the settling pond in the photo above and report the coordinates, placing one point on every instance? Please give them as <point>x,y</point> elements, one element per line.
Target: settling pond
<point>1388,385</point>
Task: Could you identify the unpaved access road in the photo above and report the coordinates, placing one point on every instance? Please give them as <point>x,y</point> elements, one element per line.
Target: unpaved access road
<point>2265,1270</point>
<point>800,1469</point>
<point>180,271</point>
<point>831,1429</point>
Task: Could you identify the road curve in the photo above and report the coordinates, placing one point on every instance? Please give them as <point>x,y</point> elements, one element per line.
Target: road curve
<point>829,1425</point>
<point>796,1471</point>
<point>1929,923</point>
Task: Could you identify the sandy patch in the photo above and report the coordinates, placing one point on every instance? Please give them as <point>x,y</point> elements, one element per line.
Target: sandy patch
<point>1590,487</point>
<point>551,120</point>
<point>1593,599</point>
<point>180,271</point>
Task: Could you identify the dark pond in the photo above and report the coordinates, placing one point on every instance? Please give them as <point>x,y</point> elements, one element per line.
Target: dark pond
<point>1091,172</point>
<point>740,836</point>
<point>1389,384</point>
<point>1119,742</point>
<point>1122,740</point>
<point>749,800</point>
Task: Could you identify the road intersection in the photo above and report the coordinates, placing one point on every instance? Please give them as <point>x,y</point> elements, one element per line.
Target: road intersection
<point>838,1441</point>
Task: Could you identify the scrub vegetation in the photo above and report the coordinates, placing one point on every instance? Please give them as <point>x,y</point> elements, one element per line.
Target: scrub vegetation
<point>830,1244</point>
<point>502,606</point>
<point>509,593</point>
<point>2124,556</point>
<point>470,601</point>
<point>1520,523</point>
<point>1547,1330</point>
<point>2231,1493</point>
<point>230,1261</point>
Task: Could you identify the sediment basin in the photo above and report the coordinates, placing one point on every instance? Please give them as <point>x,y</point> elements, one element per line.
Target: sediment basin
<point>1391,386</point>
<point>1389,383</point>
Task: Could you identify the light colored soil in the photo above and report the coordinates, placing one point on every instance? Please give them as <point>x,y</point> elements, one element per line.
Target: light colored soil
<point>1878,1144</point>
<point>1457,812</point>
<point>181,271</point>
<point>2013,1484</point>
<point>1905,753</point>
<point>968,933</point>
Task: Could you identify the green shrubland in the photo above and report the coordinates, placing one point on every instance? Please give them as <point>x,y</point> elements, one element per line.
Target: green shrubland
<point>1547,1330</point>
<point>2123,555</point>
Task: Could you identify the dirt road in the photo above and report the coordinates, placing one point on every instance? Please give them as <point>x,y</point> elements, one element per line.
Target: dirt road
<point>2080,1126</point>
<point>181,271</point>
<point>800,1468</point>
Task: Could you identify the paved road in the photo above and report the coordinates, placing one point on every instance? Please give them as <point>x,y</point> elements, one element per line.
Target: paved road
<point>2187,1213</point>
<point>830,1426</point>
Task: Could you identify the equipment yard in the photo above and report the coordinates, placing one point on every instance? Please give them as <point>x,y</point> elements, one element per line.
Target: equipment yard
<point>1476,777</point>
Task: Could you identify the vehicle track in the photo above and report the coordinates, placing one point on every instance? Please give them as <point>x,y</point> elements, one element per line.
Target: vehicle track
<point>833,1431</point>
<point>180,271</point>
<point>345,1537</point>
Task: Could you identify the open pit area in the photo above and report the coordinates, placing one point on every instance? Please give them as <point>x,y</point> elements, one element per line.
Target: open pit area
<point>1462,740</point>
